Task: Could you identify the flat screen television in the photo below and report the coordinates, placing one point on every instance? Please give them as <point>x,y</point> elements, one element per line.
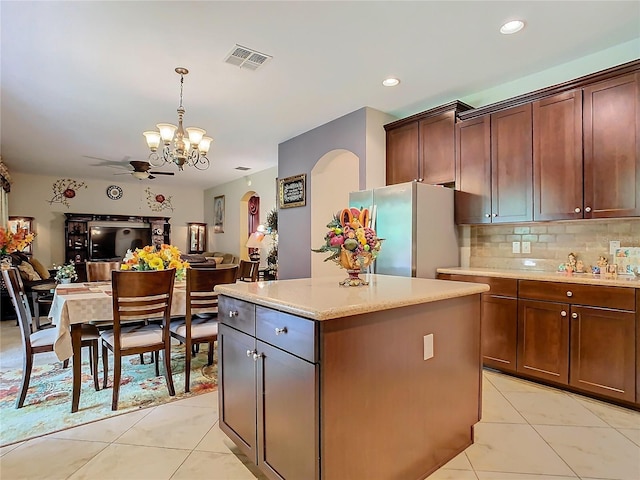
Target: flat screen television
<point>111,240</point>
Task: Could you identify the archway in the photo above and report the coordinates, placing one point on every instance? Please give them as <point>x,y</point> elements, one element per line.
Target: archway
<point>334,175</point>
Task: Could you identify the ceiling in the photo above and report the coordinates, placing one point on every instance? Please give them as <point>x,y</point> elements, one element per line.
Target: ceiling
<point>81,81</point>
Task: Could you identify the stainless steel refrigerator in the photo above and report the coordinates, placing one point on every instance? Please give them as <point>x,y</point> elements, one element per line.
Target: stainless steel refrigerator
<point>416,222</point>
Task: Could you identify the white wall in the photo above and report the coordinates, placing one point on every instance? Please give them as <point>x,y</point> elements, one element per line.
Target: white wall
<point>30,196</point>
<point>263,184</point>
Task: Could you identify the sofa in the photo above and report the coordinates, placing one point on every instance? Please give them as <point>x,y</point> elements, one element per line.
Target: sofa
<point>210,259</point>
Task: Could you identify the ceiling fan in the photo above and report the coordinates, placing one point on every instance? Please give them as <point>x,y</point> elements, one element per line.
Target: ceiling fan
<point>141,170</point>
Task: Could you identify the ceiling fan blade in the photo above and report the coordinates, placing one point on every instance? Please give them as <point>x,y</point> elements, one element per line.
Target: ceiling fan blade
<point>151,177</point>
<point>163,173</point>
<point>140,166</point>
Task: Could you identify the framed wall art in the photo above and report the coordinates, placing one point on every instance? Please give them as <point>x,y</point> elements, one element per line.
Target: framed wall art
<point>292,191</point>
<point>218,214</point>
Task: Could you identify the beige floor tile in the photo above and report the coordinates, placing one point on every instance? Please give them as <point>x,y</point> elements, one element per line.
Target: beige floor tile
<point>617,417</point>
<point>544,408</point>
<point>486,383</point>
<point>48,458</point>
<point>213,466</point>
<point>513,448</point>
<point>506,383</point>
<point>216,441</point>
<point>7,448</point>
<point>459,462</point>
<point>171,426</point>
<point>205,400</point>
<point>132,462</point>
<point>444,474</point>
<point>632,434</point>
<point>496,409</point>
<point>106,430</point>
<point>594,452</point>
<point>519,476</point>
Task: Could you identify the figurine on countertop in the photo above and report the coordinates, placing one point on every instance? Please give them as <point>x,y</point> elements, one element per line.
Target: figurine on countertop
<point>579,266</point>
<point>570,266</point>
<point>602,262</point>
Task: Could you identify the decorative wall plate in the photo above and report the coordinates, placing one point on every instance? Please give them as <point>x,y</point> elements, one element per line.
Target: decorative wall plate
<point>114,192</point>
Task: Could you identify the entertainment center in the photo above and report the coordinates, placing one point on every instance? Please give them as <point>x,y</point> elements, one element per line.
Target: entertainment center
<point>107,237</point>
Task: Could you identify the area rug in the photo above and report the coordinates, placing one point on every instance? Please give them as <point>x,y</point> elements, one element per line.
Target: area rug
<point>47,407</point>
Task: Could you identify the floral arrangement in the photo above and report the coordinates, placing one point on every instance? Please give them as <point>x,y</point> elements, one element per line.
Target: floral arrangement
<point>67,271</point>
<point>352,244</point>
<point>152,258</point>
<point>14,242</point>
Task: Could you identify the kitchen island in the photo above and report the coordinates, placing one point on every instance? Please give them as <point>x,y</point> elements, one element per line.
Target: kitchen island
<point>319,381</point>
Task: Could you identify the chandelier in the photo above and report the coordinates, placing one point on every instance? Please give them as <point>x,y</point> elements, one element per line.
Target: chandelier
<point>182,149</point>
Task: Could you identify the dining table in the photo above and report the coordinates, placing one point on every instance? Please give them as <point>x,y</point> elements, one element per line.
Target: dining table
<point>77,303</point>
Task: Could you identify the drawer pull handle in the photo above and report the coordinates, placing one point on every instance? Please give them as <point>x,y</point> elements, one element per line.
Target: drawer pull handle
<point>495,215</point>
<point>587,209</point>
<point>577,209</point>
<point>250,352</point>
<point>256,356</point>
<point>233,313</point>
<point>569,293</point>
<point>574,315</point>
<point>281,330</point>
<point>562,314</point>
<point>487,215</point>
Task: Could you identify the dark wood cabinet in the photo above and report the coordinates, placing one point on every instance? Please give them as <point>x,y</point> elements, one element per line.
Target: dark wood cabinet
<point>612,148</point>
<point>543,340</point>
<point>557,157</point>
<point>603,351</point>
<point>268,396</point>
<point>421,148</point>
<point>494,168</point>
<point>499,320</point>
<point>473,171</point>
<point>511,165</point>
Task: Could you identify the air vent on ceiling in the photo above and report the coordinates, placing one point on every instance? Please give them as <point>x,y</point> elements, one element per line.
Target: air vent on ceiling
<point>243,168</point>
<point>244,57</point>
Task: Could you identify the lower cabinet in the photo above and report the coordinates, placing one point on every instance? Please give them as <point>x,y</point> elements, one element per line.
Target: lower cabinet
<point>268,397</point>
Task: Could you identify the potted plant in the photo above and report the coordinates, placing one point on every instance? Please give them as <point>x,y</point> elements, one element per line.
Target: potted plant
<point>66,273</point>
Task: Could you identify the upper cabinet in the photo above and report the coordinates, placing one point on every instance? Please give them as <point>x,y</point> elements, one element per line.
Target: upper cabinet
<point>565,152</point>
<point>421,148</point>
<point>494,167</point>
<point>611,122</point>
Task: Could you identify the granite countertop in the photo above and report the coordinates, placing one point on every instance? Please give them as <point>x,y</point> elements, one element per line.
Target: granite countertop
<point>323,299</point>
<point>583,278</point>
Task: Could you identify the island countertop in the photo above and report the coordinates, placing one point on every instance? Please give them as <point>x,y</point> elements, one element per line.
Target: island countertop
<point>323,299</point>
<point>583,278</point>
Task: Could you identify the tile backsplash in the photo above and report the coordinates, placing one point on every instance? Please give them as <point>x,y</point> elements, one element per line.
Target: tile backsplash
<point>491,245</point>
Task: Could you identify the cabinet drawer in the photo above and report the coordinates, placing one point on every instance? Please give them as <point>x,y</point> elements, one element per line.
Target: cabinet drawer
<point>504,287</point>
<point>593,295</point>
<point>237,314</point>
<point>290,333</point>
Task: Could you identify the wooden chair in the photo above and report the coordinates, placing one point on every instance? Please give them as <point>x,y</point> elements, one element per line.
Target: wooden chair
<point>41,341</point>
<point>200,324</point>
<point>248,271</point>
<point>101,271</point>
<point>138,296</point>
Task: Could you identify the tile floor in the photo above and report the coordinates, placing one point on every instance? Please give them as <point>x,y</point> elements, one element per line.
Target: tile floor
<point>528,432</point>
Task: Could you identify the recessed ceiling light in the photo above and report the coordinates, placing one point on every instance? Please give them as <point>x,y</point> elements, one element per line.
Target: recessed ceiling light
<point>512,27</point>
<point>390,82</point>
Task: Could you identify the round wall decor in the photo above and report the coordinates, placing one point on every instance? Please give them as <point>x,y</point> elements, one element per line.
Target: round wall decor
<point>114,192</point>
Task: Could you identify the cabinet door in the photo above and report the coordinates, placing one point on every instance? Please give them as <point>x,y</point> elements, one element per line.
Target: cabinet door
<point>437,149</point>
<point>499,332</point>
<point>288,415</point>
<point>512,165</point>
<point>543,340</point>
<point>402,154</point>
<point>473,171</point>
<point>612,148</point>
<point>557,157</point>
<point>603,351</point>
<point>237,388</point>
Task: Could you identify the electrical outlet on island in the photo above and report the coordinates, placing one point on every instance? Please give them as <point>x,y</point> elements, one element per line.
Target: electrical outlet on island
<point>515,247</point>
<point>526,247</point>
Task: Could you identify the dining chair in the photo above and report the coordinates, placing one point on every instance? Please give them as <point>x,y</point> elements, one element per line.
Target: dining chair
<point>41,341</point>
<point>101,271</point>
<point>200,323</point>
<point>248,271</point>
<point>139,295</point>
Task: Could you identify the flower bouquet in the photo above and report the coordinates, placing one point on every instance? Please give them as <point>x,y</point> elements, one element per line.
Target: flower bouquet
<point>352,244</point>
<point>13,242</point>
<point>152,258</point>
<point>66,273</point>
